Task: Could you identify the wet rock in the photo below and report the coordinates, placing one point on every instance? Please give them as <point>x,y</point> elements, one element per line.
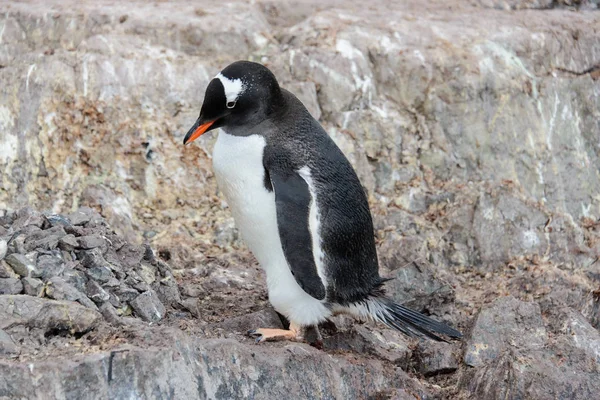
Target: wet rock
<point>436,358</point>
<point>68,243</point>
<point>32,286</point>
<point>148,307</point>
<point>58,289</point>
<point>7,345</point>
<point>22,265</point>
<point>6,271</point>
<point>10,286</point>
<point>90,242</point>
<point>96,293</point>
<point>49,266</point>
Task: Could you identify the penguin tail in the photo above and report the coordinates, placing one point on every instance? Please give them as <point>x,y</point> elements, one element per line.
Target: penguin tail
<point>405,320</point>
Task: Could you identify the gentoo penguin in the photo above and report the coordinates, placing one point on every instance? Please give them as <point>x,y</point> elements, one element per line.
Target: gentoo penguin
<point>298,205</point>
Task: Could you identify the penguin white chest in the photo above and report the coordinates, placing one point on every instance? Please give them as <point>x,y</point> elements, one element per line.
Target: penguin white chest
<point>238,166</point>
<point>240,173</point>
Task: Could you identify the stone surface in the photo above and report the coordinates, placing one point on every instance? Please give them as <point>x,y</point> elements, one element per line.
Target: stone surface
<point>510,339</point>
<point>6,270</point>
<point>3,248</point>
<point>10,286</point>
<point>47,315</point>
<point>50,265</point>
<point>216,369</point>
<point>32,286</point>
<point>436,358</point>
<point>22,265</point>
<point>148,306</point>
<point>58,289</point>
<point>90,242</point>
<point>7,345</point>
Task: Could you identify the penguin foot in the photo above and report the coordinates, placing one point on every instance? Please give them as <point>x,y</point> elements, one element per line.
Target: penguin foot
<point>272,335</point>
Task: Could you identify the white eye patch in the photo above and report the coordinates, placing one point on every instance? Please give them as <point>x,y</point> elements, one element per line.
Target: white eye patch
<point>233,87</point>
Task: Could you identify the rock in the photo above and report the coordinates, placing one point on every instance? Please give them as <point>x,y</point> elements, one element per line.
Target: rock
<point>68,243</point>
<point>436,358</point>
<point>6,271</point>
<point>75,278</point>
<point>192,290</point>
<point>27,217</point>
<point>32,286</point>
<point>97,267</point>
<point>266,318</point>
<point>49,266</point>
<point>126,294</point>
<point>507,323</point>
<point>100,274</point>
<point>146,273</point>
<point>7,345</point>
<point>509,339</point>
<point>219,369</point>
<point>81,216</point>
<point>22,265</point>
<point>131,256</point>
<point>90,242</point>
<point>45,239</point>
<point>385,344</point>
<point>58,220</point>
<point>95,292</point>
<point>58,289</point>
<point>148,307</point>
<point>10,286</point>
<point>3,248</point>
<point>47,315</point>
<point>193,306</point>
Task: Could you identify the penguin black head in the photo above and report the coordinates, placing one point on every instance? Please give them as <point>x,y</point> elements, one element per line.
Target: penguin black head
<point>242,95</point>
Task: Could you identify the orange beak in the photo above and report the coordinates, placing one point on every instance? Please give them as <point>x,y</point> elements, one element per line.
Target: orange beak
<point>196,131</point>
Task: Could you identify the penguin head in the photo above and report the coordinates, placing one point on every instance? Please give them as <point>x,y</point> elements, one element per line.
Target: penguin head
<point>241,96</point>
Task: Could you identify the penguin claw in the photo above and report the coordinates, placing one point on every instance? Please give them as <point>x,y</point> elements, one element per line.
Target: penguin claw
<point>263,335</point>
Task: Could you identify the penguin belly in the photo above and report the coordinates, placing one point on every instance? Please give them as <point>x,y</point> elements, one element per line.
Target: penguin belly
<point>238,167</point>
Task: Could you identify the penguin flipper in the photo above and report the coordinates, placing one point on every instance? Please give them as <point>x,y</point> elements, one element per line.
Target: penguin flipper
<point>293,200</point>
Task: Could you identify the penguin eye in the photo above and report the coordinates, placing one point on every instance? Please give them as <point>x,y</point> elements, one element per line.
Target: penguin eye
<point>231,104</point>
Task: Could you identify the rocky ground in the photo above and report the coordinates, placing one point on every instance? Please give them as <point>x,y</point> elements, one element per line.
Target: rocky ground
<point>473,126</point>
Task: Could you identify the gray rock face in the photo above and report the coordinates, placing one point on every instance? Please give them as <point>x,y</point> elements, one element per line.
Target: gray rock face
<point>215,369</point>
<point>22,265</point>
<point>148,306</point>
<point>10,286</point>
<point>32,286</point>
<point>45,314</point>
<point>510,339</point>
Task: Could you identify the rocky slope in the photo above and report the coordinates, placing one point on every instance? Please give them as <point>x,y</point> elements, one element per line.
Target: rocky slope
<point>472,124</point>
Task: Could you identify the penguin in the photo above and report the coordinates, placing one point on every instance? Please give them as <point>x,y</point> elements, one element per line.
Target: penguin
<point>299,206</point>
